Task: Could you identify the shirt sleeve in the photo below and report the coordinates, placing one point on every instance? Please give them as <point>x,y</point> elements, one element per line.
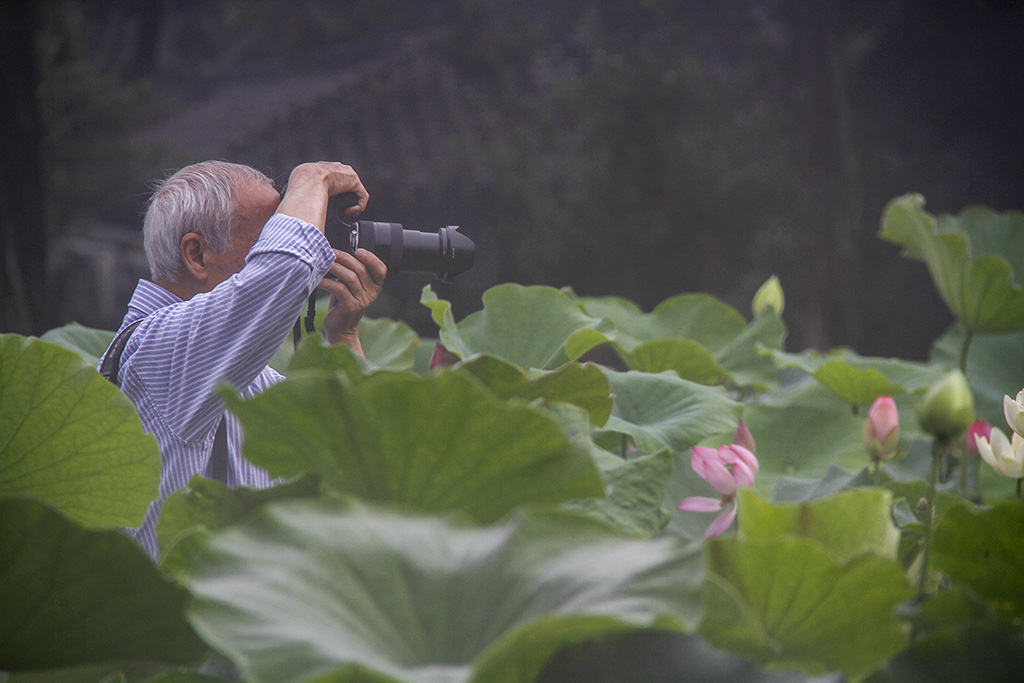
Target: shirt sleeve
<point>183,351</point>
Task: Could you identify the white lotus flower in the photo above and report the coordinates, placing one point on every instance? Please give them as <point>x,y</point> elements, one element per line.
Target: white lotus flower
<point>1004,456</point>
<point>1014,412</point>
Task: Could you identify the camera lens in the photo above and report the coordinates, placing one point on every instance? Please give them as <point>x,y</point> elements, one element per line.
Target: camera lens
<point>445,253</point>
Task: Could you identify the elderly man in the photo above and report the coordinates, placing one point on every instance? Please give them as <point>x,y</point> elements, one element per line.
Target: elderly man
<point>232,264</point>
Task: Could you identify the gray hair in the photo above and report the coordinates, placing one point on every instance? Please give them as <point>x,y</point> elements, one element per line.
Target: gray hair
<point>200,198</point>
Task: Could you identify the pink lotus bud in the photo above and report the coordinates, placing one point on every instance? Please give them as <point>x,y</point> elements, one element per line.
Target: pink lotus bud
<point>882,429</point>
<point>979,428</point>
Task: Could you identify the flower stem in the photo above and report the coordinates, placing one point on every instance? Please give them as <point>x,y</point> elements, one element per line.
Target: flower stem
<point>964,459</point>
<point>968,335</point>
<point>938,449</point>
<point>1019,481</point>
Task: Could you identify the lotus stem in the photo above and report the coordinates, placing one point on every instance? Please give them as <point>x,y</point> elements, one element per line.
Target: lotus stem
<point>938,450</point>
<point>963,473</point>
<point>968,336</point>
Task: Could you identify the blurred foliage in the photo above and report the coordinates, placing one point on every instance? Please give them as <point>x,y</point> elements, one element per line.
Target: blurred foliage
<point>640,149</point>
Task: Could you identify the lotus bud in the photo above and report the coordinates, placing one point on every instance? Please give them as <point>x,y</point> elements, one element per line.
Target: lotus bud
<point>769,295</point>
<point>882,429</point>
<point>948,407</point>
<point>1013,410</point>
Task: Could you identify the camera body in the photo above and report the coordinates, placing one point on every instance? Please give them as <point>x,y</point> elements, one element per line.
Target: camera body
<point>446,253</point>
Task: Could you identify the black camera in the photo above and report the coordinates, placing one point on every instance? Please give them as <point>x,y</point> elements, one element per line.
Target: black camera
<point>446,253</point>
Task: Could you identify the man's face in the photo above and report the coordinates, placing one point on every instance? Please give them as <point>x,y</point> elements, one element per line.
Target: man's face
<point>256,204</point>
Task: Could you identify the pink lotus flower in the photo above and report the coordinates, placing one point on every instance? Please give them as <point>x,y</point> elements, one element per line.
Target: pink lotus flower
<point>727,469</point>
<point>882,429</point>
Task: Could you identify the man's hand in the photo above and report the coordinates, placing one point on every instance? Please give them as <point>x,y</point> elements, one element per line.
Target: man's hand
<point>311,186</point>
<point>359,281</point>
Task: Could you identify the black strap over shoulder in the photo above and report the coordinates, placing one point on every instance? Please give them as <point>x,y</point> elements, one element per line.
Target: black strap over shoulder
<point>111,363</point>
<point>218,467</point>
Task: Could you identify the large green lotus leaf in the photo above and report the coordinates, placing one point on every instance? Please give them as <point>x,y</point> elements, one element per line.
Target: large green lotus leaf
<point>967,259</point>
<point>787,602</point>
<point>686,358</point>
<point>975,655</point>
<point>207,505</point>
<point>525,325</point>
<point>675,336</point>
<point>657,657</point>
<point>990,232</point>
<point>315,591</point>
<point>87,342</point>
<point>577,427</point>
<point>73,596</point>
<point>703,318</point>
<point>114,672</point>
<point>847,524</point>
<point>636,489</point>
<point>71,438</point>
<point>582,384</point>
<point>859,380</point>
<point>314,354</point>
<point>984,548</point>
<point>658,410</point>
<point>439,443</point>
<point>744,357</point>
<point>796,490</point>
<point>387,345</point>
<point>804,429</point>
<point>695,335</point>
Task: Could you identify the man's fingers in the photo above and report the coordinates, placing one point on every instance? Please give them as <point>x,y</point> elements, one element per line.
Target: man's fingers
<point>338,289</point>
<point>343,178</point>
<point>361,195</point>
<point>360,274</point>
<point>343,282</point>
<point>376,268</point>
<point>365,264</point>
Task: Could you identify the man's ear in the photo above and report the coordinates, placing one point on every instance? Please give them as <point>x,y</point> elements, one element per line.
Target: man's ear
<point>193,255</point>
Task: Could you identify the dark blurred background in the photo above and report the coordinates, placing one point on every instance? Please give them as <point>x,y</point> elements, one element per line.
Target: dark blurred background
<point>638,148</point>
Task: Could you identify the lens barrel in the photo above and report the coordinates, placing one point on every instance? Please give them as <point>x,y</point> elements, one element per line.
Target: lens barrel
<point>446,253</point>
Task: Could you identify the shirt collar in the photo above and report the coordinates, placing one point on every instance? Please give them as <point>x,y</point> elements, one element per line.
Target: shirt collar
<point>150,297</point>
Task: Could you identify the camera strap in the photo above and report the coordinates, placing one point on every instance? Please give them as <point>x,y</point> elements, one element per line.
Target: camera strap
<point>111,363</point>
<point>217,469</point>
<point>309,320</point>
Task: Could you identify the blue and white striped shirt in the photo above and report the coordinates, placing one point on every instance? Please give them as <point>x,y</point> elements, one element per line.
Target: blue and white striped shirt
<point>183,349</point>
